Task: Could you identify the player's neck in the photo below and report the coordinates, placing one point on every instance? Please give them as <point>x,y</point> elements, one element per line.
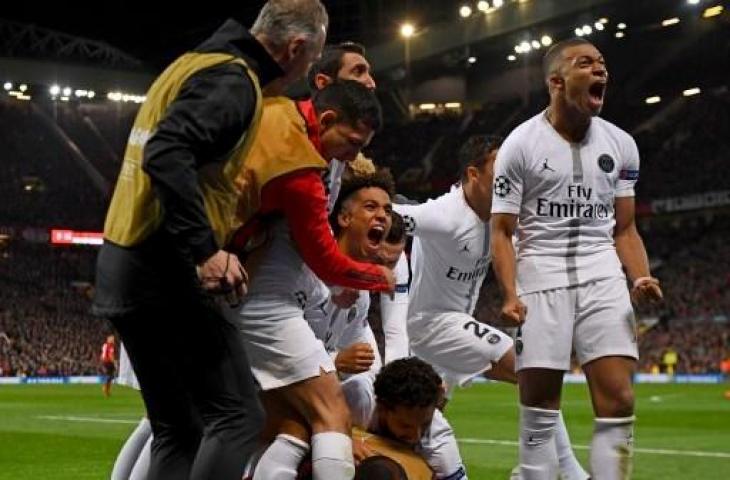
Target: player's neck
<point>570,124</point>
<point>482,211</point>
<point>347,247</point>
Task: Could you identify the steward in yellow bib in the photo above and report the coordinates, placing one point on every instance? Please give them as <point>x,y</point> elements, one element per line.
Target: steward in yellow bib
<point>172,211</point>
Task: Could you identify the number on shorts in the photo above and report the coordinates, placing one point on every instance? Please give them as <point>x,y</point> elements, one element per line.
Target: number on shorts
<point>479,330</point>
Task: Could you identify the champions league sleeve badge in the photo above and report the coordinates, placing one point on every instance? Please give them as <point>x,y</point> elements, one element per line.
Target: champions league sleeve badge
<point>501,186</point>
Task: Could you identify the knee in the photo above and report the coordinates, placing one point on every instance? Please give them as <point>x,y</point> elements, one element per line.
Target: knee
<point>620,404</point>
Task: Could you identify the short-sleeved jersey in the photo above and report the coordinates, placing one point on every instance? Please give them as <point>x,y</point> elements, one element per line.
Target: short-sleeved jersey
<point>563,194</point>
<point>450,254</point>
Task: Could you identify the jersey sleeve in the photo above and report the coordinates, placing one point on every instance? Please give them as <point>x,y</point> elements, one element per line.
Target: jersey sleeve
<point>394,313</point>
<point>629,173</point>
<point>508,177</point>
<point>424,219</point>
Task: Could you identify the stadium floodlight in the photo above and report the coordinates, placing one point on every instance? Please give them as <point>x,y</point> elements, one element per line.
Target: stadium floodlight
<point>91,94</point>
<point>598,26</point>
<point>525,46</point>
<point>66,92</point>
<point>7,86</point>
<point>579,32</point>
<point>546,40</point>
<point>518,49</point>
<point>511,58</point>
<point>483,6</point>
<point>465,11</point>
<point>452,105</point>
<point>713,11</point>
<point>81,93</point>
<point>621,26</point>
<point>587,30</point>
<point>535,45</point>
<point>472,60</point>
<point>407,30</point>
<point>23,87</point>
<point>603,20</point>
<point>654,99</point>
<point>691,91</point>
<point>498,3</point>
<point>670,21</point>
<point>693,2</point>
<point>55,90</point>
<point>427,106</point>
<point>619,35</point>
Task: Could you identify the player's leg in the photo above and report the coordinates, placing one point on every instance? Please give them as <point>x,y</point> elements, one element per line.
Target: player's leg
<point>321,401</point>
<point>131,450</point>
<point>287,435</point>
<point>543,350</point>
<point>286,357</point>
<point>606,347</point>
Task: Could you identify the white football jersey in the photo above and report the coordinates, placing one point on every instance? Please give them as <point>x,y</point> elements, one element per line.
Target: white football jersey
<point>394,314</point>
<point>563,195</point>
<point>450,255</point>
<point>337,327</point>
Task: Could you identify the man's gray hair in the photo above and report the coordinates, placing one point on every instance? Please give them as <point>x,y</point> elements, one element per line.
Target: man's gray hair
<point>280,20</point>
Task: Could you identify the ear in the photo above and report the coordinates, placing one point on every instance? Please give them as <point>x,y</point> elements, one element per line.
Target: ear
<point>321,80</point>
<point>327,119</point>
<point>296,46</point>
<point>555,82</point>
<point>472,173</point>
<point>344,218</point>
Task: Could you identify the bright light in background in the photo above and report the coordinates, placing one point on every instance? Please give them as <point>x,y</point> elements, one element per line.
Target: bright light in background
<point>55,90</point>
<point>511,58</point>
<point>598,26</point>
<point>603,20</point>
<point>66,92</point>
<point>621,26</point>
<point>587,30</point>
<point>498,3</point>
<point>525,46</point>
<point>619,34</point>
<point>427,106</point>
<point>91,94</point>
<point>8,86</point>
<point>693,2</point>
<point>579,32</point>
<point>482,6</point>
<point>407,30</point>
<point>713,11</point>
<point>670,21</point>
<point>23,87</point>
<point>472,60</point>
<point>465,11</point>
<point>535,44</point>
<point>452,105</point>
<point>518,49</point>
<point>546,40</point>
<point>654,99</point>
<point>691,91</point>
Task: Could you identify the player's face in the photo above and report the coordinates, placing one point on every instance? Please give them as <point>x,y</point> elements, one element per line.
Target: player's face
<point>406,424</point>
<point>389,253</point>
<point>585,78</point>
<point>482,178</point>
<point>355,67</point>
<point>365,221</point>
<point>343,141</point>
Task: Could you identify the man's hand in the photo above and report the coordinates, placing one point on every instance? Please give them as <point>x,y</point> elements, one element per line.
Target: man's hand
<point>514,311</point>
<point>356,358</point>
<point>223,274</point>
<point>360,450</point>
<point>646,289</point>
<point>345,298</point>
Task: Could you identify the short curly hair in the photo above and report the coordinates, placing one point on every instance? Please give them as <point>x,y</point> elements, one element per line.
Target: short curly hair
<point>408,382</point>
<point>351,184</point>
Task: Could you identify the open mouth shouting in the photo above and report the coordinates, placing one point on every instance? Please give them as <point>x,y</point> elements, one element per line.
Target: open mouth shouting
<point>596,94</point>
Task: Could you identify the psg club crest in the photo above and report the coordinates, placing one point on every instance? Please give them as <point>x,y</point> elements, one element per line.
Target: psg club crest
<point>606,163</point>
<point>501,186</point>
